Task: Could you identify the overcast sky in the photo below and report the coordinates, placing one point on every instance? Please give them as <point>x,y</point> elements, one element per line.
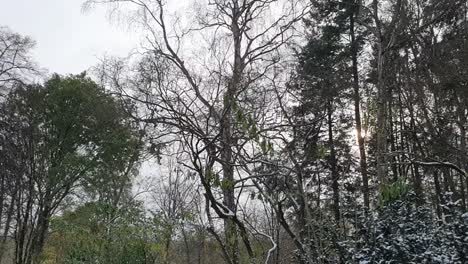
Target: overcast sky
<point>68,40</point>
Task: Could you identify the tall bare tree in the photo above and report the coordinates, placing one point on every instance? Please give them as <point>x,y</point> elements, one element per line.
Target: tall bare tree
<point>216,97</point>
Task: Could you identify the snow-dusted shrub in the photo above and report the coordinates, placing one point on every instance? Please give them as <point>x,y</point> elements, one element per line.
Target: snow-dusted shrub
<point>401,232</point>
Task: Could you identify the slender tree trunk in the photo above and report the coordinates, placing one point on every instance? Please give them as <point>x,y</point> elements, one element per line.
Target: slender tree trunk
<point>463,145</point>
<point>6,228</point>
<point>417,180</point>
<point>418,185</point>
<point>333,167</point>
<point>23,219</point>
<point>439,192</point>
<point>437,196</point>
<point>462,155</point>
<point>357,110</point>
<point>394,164</point>
<point>462,192</point>
<point>278,240</point>
<point>2,195</point>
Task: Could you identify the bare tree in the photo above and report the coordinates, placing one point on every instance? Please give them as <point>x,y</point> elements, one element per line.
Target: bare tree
<point>174,198</point>
<point>216,97</point>
<point>16,64</point>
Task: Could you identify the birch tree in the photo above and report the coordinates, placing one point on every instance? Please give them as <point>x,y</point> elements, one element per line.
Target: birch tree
<point>216,96</point>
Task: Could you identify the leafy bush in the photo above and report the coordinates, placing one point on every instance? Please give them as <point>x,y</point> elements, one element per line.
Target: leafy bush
<point>97,233</point>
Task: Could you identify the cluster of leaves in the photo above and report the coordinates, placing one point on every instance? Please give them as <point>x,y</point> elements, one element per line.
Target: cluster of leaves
<point>249,126</point>
<point>393,192</point>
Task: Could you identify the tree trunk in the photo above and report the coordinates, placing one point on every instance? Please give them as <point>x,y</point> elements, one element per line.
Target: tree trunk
<point>6,227</point>
<point>417,183</point>
<point>463,161</point>
<point>439,192</point>
<point>393,148</point>
<point>357,111</point>
<point>381,126</point>
<point>333,167</point>
<point>39,235</point>
<point>417,180</point>
<point>437,195</point>
<point>227,141</point>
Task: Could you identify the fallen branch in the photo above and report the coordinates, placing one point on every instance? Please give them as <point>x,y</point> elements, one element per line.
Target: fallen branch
<point>441,164</point>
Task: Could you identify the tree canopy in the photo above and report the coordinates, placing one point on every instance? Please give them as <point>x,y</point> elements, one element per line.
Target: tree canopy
<point>254,131</point>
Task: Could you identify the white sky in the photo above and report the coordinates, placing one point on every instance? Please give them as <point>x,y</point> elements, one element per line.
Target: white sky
<point>68,40</point>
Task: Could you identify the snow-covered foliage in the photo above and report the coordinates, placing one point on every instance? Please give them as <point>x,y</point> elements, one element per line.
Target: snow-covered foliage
<point>402,232</point>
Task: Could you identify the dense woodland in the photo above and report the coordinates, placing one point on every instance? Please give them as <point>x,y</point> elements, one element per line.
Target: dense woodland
<point>243,131</point>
